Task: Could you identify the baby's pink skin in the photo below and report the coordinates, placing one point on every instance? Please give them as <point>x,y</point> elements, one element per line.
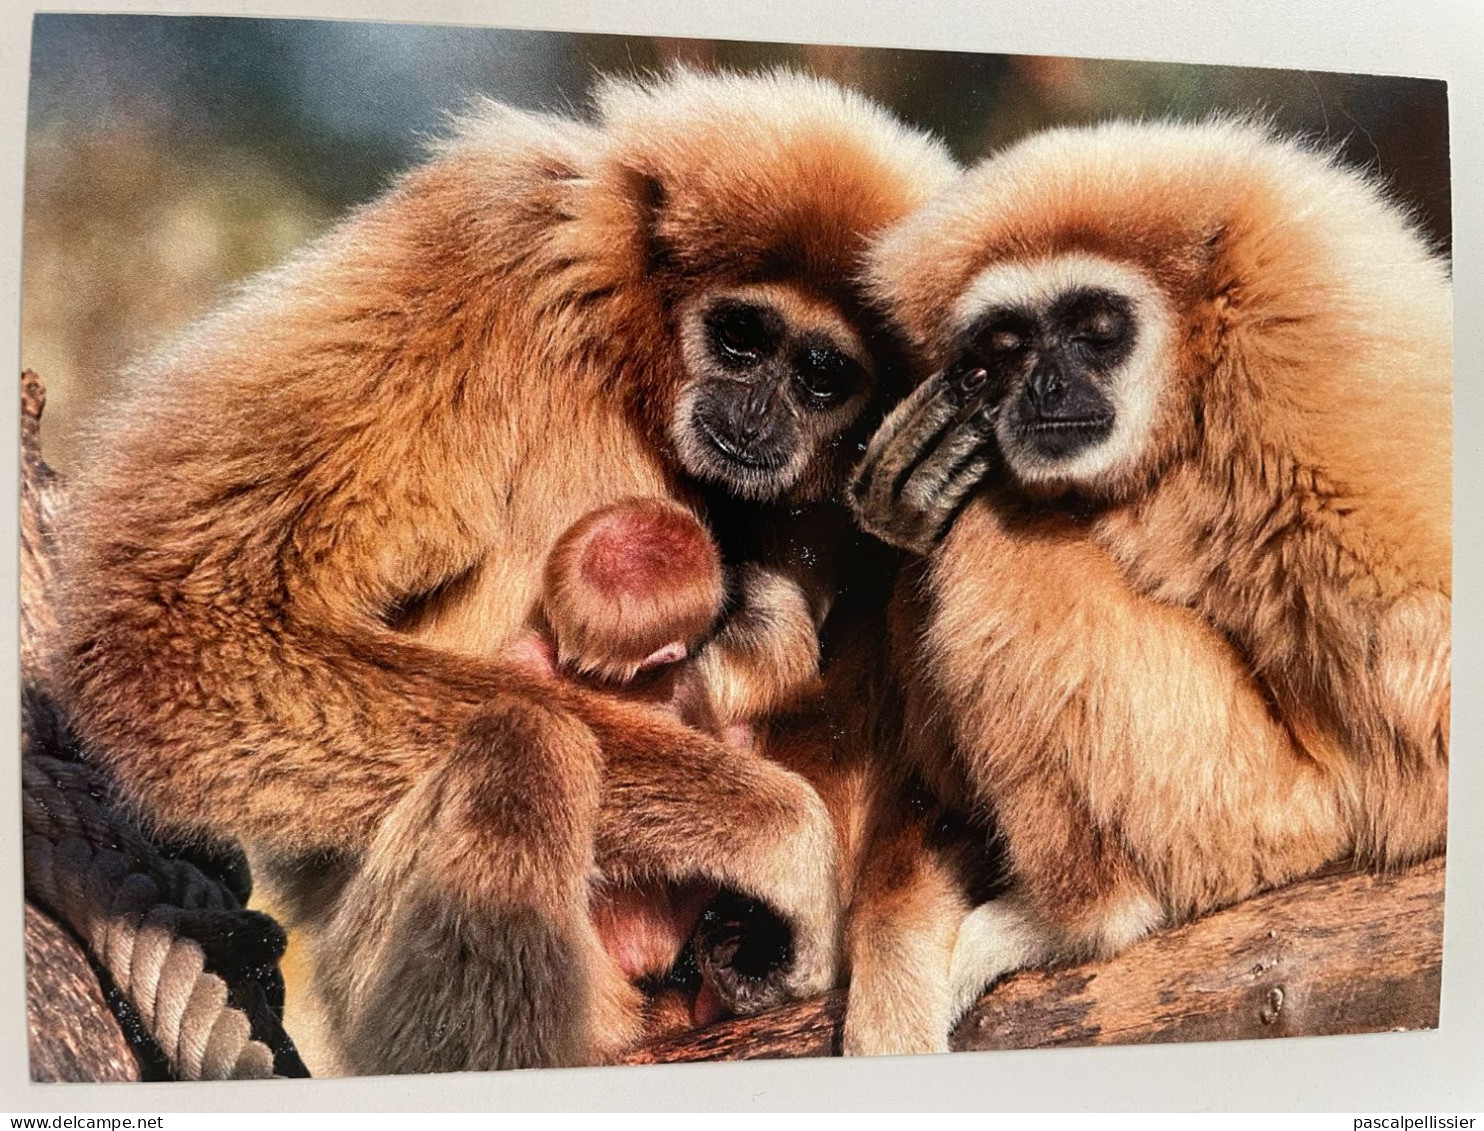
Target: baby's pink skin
<point>671,653</point>
<point>644,927</point>
<point>536,653</point>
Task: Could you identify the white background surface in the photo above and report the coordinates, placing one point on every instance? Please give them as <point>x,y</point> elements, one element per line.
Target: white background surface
<point>1434,1072</point>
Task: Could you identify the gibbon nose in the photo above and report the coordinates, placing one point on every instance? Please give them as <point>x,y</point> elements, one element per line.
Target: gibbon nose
<point>1047,390</point>
<point>1055,395</point>
<point>753,418</point>
<point>750,427</point>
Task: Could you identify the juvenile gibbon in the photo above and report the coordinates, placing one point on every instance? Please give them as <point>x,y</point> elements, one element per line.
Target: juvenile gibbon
<point>1182,480</point>
<point>637,598</point>
<point>310,535</point>
<point>796,670</point>
<point>630,587</point>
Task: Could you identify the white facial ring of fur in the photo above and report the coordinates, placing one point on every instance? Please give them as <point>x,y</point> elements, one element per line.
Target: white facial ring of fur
<point>1033,287</point>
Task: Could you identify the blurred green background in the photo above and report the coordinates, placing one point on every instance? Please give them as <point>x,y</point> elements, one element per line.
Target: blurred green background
<point>168,157</point>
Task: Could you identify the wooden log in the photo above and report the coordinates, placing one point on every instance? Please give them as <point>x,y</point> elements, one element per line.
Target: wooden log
<point>1337,953</point>
<point>72,1033</point>
<point>39,502</point>
<point>806,1028</point>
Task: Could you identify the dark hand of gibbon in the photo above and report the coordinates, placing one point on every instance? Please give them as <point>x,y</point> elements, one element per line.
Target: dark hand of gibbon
<point>925,461</point>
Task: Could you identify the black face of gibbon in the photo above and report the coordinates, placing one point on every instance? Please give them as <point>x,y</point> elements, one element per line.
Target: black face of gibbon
<point>1047,373</point>
<point>769,394</point>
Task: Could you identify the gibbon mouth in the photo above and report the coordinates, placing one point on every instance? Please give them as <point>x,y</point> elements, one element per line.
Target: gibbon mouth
<point>731,452</point>
<point>1065,437</point>
<point>1086,423</point>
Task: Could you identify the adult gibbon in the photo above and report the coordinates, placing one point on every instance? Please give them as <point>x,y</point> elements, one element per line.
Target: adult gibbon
<point>1183,483</point>
<point>307,538</point>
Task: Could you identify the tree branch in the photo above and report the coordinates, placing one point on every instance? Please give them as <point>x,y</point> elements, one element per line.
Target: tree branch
<point>1338,953</point>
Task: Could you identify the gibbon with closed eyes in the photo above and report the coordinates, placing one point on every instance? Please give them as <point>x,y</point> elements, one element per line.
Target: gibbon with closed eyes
<point>308,538</point>
<point>1183,483</point>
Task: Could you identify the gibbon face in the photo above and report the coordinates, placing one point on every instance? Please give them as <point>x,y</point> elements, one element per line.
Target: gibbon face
<point>756,200</point>
<point>1071,354</point>
<point>1134,293</point>
<point>774,382</point>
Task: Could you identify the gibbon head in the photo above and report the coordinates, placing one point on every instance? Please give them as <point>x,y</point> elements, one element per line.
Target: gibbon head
<point>756,197</point>
<point>632,585</point>
<point>1123,295</point>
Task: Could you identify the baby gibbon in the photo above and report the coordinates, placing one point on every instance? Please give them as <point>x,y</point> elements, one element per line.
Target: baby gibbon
<point>1182,480</point>
<point>639,588</point>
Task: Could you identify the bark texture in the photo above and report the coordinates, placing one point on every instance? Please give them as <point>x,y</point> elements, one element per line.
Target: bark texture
<point>1337,953</point>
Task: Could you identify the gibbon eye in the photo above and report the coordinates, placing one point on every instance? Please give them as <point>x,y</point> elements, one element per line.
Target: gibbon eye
<point>826,374</point>
<point>740,333</point>
<point>1099,320</point>
<point>1104,326</point>
<point>1004,337</point>
<point>1101,328</point>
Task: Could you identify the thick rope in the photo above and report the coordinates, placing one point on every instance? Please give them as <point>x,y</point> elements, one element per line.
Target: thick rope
<point>155,924</point>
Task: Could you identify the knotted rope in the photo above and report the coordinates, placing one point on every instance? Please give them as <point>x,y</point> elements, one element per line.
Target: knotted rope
<point>169,936</point>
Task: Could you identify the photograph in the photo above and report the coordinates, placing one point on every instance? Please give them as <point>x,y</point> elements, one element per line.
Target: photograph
<point>546,549</point>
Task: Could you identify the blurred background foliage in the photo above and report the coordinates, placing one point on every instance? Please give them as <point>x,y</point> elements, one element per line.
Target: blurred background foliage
<point>169,157</point>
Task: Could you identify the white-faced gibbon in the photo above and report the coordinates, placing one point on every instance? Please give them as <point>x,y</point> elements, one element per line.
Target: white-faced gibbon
<point>307,538</point>
<point>1183,483</point>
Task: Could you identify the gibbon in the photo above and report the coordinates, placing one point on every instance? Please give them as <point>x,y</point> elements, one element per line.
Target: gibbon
<point>310,534</point>
<point>637,598</point>
<point>631,587</point>
<point>1182,481</point>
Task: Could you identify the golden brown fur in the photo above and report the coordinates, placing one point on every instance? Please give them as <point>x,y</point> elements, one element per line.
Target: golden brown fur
<point>326,507</point>
<point>1219,659</point>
